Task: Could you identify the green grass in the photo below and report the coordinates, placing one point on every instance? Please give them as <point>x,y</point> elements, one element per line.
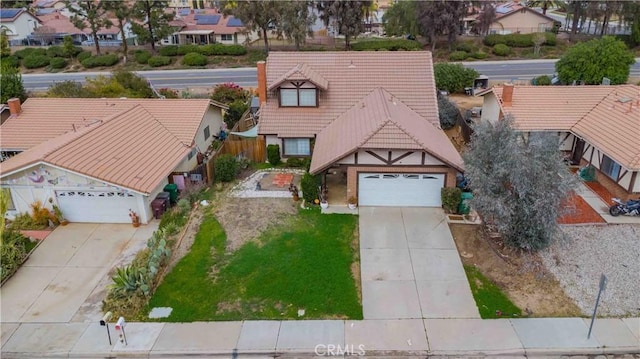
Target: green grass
<point>489,298</point>
<point>304,264</point>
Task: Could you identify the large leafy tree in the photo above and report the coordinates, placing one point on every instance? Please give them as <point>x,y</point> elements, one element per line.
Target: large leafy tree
<point>453,77</point>
<point>518,182</point>
<point>630,14</point>
<point>91,14</point>
<point>400,19</point>
<point>11,83</point>
<point>348,17</point>
<point>154,21</point>
<point>590,61</point>
<point>296,21</point>
<point>4,42</point>
<point>122,12</point>
<point>436,18</point>
<point>257,15</point>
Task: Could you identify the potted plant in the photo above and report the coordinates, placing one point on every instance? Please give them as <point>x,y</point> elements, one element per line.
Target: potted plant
<point>294,192</point>
<point>352,202</point>
<point>135,219</point>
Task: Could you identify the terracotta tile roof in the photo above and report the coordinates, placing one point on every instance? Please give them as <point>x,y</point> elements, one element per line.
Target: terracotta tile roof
<point>63,25</point>
<point>594,113</point>
<point>351,76</point>
<point>381,121</point>
<point>131,149</point>
<point>301,72</point>
<point>55,116</point>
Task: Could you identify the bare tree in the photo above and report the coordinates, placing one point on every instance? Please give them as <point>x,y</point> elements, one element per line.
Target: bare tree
<point>91,14</point>
<point>44,34</point>
<point>440,18</point>
<point>486,17</point>
<point>348,16</point>
<point>518,182</point>
<point>538,40</point>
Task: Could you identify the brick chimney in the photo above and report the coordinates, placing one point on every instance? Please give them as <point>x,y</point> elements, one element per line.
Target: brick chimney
<point>14,106</point>
<point>262,81</point>
<point>507,95</point>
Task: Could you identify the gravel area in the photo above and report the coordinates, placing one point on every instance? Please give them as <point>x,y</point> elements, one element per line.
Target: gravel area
<point>247,188</point>
<point>584,252</point>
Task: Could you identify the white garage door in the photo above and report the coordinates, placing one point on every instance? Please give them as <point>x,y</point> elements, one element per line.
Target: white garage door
<point>96,206</point>
<point>400,189</point>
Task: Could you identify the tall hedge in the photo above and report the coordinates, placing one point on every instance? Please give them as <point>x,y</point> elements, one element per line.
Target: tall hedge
<point>387,44</point>
<point>518,40</point>
<point>273,154</point>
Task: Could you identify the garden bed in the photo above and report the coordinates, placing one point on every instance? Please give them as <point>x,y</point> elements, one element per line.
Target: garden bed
<point>578,211</point>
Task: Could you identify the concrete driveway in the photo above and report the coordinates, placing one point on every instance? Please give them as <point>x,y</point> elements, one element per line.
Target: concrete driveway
<point>62,280</point>
<point>410,266</point>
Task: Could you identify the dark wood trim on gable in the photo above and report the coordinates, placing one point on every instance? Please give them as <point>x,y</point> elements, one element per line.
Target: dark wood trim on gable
<point>389,157</point>
<point>355,158</point>
<point>407,154</point>
<point>621,174</point>
<point>632,183</point>
<point>379,157</point>
<point>424,157</point>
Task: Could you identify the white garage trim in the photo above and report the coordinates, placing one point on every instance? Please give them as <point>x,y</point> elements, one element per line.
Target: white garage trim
<point>400,189</point>
<point>97,206</point>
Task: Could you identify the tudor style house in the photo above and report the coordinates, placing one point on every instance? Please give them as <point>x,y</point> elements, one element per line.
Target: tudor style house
<point>98,158</point>
<point>368,120</point>
<point>596,125</point>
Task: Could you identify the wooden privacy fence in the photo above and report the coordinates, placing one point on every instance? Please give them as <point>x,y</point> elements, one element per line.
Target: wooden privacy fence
<point>253,149</point>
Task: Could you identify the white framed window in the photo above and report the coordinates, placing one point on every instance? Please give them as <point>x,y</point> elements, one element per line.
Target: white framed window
<point>226,37</point>
<point>610,167</point>
<point>297,147</point>
<point>298,97</point>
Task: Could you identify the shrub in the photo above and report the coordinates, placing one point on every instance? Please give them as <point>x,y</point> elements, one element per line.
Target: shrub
<point>273,154</point>
<point>458,55</point>
<point>186,49</point>
<point>66,89</point>
<point>104,60</point>
<point>309,186</point>
<point>25,221</point>
<point>451,197</point>
<point>168,93</point>
<point>35,61</point>
<point>501,50</point>
<point>386,44</point>
<point>295,162</point>
<point>194,59</point>
<point>518,40</point>
<point>58,63</point>
<point>40,214</point>
<point>479,55</point>
<point>220,49</point>
<point>136,86</point>
<point>453,77</point>
<point>157,61</point>
<point>171,50</point>
<point>84,55</point>
<point>550,39</point>
<point>29,51</point>
<point>226,168</point>
<point>142,56</point>
<point>235,112</point>
<point>543,80</point>
<point>448,112</point>
<point>465,46</point>
<point>55,51</point>
<point>12,61</point>
<point>12,252</point>
<point>228,93</point>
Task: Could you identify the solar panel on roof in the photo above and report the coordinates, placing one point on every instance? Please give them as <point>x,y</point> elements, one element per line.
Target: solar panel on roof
<point>234,22</point>
<point>9,13</point>
<point>208,20</point>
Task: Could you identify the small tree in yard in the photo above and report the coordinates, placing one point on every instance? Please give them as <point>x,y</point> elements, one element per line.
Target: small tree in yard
<point>226,168</point>
<point>453,77</point>
<point>518,183</point>
<point>235,112</point>
<point>273,154</point>
<point>448,112</point>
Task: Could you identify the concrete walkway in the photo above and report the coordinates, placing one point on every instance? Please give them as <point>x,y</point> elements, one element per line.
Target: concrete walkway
<point>405,337</point>
<point>410,266</point>
<point>601,207</point>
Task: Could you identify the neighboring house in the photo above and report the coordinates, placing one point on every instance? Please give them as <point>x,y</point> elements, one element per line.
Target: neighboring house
<point>58,26</point>
<point>206,26</point>
<point>596,125</point>
<point>18,24</point>
<point>98,158</point>
<point>514,17</point>
<point>370,118</point>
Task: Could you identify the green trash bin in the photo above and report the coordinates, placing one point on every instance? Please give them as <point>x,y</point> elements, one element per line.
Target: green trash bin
<point>463,207</point>
<point>172,188</point>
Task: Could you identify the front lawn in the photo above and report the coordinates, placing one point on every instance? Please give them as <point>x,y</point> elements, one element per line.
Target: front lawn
<point>491,302</point>
<point>304,264</point>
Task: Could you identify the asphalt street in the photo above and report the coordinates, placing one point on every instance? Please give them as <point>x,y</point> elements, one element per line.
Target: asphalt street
<point>246,77</point>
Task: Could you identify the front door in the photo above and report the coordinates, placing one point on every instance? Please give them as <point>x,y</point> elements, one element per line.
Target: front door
<point>577,152</point>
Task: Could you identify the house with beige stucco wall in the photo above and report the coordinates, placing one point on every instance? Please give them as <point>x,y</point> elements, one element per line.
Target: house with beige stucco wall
<point>514,17</point>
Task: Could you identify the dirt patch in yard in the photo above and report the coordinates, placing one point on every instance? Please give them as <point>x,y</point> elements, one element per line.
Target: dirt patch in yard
<point>522,277</point>
<point>244,219</point>
<point>465,102</point>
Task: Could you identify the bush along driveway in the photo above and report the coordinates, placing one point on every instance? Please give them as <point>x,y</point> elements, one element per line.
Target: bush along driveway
<point>303,266</point>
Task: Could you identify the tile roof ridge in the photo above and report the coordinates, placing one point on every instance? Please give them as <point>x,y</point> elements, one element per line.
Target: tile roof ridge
<point>596,105</point>
<point>376,91</point>
<point>402,128</point>
<point>152,117</point>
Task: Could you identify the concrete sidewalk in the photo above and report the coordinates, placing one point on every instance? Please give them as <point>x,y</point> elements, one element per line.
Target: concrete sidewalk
<point>601,207</point>
<point>406,337</point>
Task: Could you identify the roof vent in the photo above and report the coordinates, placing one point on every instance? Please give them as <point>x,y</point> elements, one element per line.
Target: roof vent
<point>624,99</point>
<point>351,65</point>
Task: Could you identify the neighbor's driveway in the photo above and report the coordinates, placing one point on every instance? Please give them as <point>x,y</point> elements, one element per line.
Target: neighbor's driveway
<point>65,270</point>
<point>410,266</point>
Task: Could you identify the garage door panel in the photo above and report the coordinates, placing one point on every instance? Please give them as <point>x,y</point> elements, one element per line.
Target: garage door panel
<point>96,206</point>
<point>400,189</point>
